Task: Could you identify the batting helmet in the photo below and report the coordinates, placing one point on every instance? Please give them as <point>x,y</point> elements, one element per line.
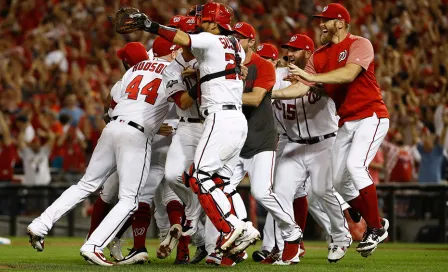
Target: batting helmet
<point>187,24</point>
<point>174,21</point>
<point>218,13</point>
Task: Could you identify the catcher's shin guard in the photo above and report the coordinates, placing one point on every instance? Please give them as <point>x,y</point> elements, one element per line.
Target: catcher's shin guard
<point>209,205</point>
<point>220,181</point>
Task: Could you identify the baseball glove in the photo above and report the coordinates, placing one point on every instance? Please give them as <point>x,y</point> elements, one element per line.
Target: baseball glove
<point>128,20</point>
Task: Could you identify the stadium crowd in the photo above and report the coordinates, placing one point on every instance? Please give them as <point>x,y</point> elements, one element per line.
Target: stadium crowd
<point>58,62</point>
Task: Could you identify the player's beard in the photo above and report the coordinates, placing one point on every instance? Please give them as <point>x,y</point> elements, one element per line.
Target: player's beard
<point>327,37</point>
<point>300,62</point>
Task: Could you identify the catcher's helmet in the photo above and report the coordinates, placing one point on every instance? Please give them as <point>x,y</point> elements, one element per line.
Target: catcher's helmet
<point>218,13</point>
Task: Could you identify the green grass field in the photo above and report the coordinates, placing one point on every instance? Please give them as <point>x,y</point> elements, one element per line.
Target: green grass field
<point>62,254</point>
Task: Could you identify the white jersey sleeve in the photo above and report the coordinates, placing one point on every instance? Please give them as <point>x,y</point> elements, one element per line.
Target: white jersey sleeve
<point>172,76</point>
<point>280,74</point>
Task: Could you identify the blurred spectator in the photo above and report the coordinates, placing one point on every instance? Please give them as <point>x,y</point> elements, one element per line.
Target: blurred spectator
<point>35,156</point>
<point>400,165</point>
<point>431,151</point>
<point>7,151</point>
<point>71,145</point>
<point>71,108</point>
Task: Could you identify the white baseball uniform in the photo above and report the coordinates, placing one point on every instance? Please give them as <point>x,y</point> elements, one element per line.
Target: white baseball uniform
<point>271,233</point>
<point>189,131</point>
<point>311,125</point>
<point>225,127</point>
<point>124,145</point>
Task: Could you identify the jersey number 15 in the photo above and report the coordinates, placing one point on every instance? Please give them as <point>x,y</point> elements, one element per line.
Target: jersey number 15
<point>150,89</point>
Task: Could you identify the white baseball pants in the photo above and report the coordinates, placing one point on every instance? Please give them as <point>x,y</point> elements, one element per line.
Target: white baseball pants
<point>354,148</point>
<point>180,157</point>
<point>122,147</point>
<point>302,161</point>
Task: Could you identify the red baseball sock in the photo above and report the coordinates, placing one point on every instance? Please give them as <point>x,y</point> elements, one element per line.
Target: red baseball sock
<point>182,248</point>
<point>300,211</point>
<point>175,212</point>
<point>140,223</point>
<point>100,210</point>
<point>357,205</point>
<point>370,200</point>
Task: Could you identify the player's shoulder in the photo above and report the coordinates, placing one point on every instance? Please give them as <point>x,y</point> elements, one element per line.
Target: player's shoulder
<point>205,35</point>
<point>357,38</point>
<point>262,63</point>
<point>175,67</point>
<point>321,49</point>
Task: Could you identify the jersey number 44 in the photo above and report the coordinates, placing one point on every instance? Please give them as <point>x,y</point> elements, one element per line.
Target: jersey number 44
<point>150,90</point>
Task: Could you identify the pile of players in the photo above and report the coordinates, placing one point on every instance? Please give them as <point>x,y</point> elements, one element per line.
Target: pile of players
<point>206,106</point>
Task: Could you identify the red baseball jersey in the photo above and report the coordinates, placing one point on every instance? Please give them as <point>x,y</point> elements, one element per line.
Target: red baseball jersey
<point>362,97</point>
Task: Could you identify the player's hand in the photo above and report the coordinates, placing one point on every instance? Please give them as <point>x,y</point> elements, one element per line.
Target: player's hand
<point>291,78</point>
<point>165,130</point>
<point>293,69</point>
<point>244,72</point>
<point>188,72</point>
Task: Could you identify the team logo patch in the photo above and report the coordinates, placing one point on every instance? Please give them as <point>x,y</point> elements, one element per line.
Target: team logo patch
<point>171,83</point>
<point>325,9</point>
<point>191,21</point>
<point>293,38</point>
<point>176,19</point>
<point>342,56</point>
<point>260,47</point>
<point>239,25</point>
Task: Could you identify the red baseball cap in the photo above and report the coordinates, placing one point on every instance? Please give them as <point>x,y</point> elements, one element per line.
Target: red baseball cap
<point>334,11</point>
<point>187,24</point>
<point>162,47</point>
<point>174,21</point>
<point>299,41</point>
<point>267,50</point>
<point>245,29</point>
<point>133,53</point>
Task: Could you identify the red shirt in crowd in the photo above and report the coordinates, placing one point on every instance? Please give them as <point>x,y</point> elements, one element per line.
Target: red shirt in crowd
<point>362,97</point>
<point>403,168</point>
<point>7,159</point>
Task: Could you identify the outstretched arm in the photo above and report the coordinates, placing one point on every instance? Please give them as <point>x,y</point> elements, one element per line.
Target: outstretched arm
<point>294,90</point>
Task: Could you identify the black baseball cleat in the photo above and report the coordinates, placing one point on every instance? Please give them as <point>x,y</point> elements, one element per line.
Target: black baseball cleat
<point>259,255</point>
<point>371,238</point>
<point>135,256</point>
<point>356,217</point>
<point>199,255</point>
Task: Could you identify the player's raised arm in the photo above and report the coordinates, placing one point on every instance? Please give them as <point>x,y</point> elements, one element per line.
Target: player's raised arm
<point>294,90</point>
<point>128,20</point>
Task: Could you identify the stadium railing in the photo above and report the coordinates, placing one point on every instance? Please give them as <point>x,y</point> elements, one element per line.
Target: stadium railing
<point>16,199</point>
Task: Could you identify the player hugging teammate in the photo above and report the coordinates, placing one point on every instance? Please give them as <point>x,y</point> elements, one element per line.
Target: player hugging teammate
<point>318,136</point>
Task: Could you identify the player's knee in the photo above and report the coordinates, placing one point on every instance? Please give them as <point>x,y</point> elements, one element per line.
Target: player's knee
<point>172,175</point>
<point>259,195</point>
<point>354,166</point>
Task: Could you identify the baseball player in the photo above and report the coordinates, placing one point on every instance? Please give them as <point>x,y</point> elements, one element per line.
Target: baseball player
<point>124,146</point>
<point>225,127</point>
<point>257,157</point>
<point>345,67</point>
<point>311,125</point>
<point>300,202</point>
<point>181,152</point>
